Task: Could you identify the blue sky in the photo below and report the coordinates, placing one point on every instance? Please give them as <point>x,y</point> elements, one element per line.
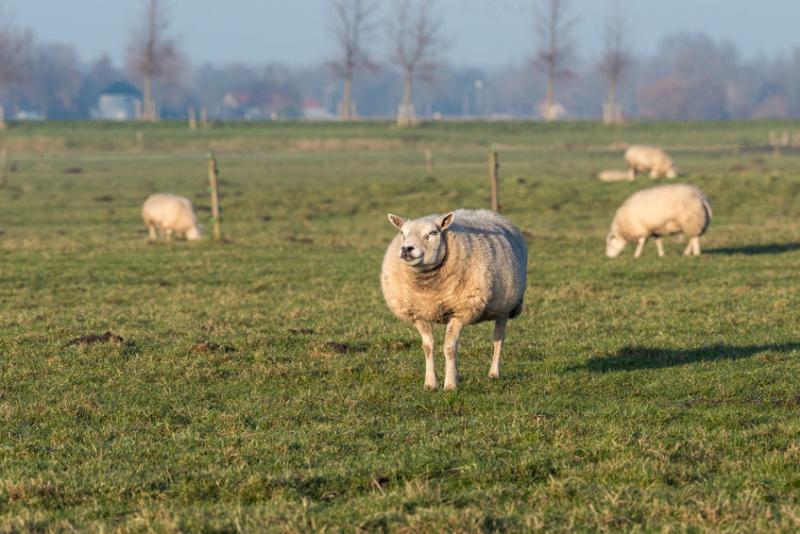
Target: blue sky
<point>482,32</point>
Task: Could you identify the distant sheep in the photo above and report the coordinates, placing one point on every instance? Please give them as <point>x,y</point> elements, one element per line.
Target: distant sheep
<point>659,211</point>
<point>168,214</point>
<point>614,175</point>
<point>649,158</point>
<point>457,269</point>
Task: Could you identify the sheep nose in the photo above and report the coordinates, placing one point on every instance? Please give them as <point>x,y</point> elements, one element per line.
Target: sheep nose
<point>406,251</point>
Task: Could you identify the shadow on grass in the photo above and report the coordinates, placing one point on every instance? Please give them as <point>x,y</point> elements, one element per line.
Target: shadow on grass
<point>635,358</point>
<point>752,250</point>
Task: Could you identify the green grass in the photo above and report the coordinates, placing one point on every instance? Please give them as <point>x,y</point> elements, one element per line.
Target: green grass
<point>262,383</point>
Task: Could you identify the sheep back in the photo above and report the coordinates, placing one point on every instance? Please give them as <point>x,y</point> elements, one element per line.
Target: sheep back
<point>648,158</point>
<point>663,210</point>
<point>481,278</point>
<point>169,211</point>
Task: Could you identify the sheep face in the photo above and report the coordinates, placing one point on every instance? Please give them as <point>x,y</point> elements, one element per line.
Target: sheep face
<point>614,245</point>
<point>422,244</point>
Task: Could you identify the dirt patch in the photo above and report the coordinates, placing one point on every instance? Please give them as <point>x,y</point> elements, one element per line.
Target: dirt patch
<point>104,198</point>
<point>301,331</point>
<point>73,170</point>
<point>266,218</point>
<point>210,346</point>
<point>91,339</point>
<point>338,348</point>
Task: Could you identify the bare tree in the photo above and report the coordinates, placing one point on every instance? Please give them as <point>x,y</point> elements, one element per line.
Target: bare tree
<point>152,53</point>
<point>552,26</point>
<point>615,60</point>
<point>416,42</point>
<point>351,23</point>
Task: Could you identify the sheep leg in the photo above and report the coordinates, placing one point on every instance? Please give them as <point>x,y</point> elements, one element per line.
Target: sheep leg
<point>426,332</point>
<point>639,246</point>
<point>151,229</point>
<point>695,245</point>
<point>660,247</point>
<point>688,250</point>
<point>631,172</point>
<point>167,235</point>
<point>451,353</point>
<point>499,336</point>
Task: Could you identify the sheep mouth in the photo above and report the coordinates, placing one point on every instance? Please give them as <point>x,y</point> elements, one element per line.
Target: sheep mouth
<point>411,261</point>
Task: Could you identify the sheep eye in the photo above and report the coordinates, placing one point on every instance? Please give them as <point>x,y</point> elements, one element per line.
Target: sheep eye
<point>432,234</point>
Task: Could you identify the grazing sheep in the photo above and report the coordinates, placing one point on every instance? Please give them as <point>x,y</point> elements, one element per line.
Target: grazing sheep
<point>166,213</point>
<point>456,269</point>
<point>614,175</point>
<point>659,211</point>
<point>649,158</point>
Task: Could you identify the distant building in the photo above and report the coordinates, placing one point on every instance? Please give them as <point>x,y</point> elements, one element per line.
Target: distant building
<point>313,111</point>
<point>120,101</point>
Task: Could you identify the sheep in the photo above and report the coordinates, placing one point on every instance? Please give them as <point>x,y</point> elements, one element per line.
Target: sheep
<point>461,268</point>
<point>649,158</point>
<point>614,175</point>
<point>659,211</point>
<point>166,213</point>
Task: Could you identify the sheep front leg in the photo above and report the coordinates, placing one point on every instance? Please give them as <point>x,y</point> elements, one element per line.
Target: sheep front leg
<point>660,247</point>
<point>499,336</point>
<point>151,229</point>
<point>639,246</point>
<point>451,353</point>
<point>426,332</point>
<point>631,173</point>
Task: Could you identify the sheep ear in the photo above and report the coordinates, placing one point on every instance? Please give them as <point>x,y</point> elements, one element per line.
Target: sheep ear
<point>445,221</point>
<point>397,221</point>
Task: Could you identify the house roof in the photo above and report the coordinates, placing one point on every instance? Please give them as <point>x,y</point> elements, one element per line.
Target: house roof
<point>122,88</point>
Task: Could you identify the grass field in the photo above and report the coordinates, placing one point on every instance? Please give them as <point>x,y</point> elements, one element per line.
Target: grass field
<point>262,383</point>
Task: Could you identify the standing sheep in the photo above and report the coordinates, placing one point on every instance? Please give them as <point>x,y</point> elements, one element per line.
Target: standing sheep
<point>457,269</point>
<point>166,213</point>
<point>649,158</point>
<point>659,211</point>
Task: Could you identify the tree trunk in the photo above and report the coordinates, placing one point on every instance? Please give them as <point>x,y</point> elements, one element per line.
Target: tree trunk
<point>406,115</point>
<point>347,97</point>
<point>549,114</point>
<point>149,112</point>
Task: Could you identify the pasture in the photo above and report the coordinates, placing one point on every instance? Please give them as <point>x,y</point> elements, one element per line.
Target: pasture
<point>262,383</point>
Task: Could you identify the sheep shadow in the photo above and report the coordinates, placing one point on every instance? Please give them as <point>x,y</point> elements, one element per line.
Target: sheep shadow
<point>753,250</point>
<point>633,358</point>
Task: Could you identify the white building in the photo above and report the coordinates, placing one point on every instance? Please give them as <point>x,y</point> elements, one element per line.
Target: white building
<point>120,101</point>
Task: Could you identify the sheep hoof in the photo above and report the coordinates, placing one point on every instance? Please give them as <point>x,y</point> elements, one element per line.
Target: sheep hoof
<point>494,374</point>
<point>450,387</point>
<point>430,387</point>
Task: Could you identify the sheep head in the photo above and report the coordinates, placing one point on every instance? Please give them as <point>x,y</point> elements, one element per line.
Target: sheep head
<point>422,243</point>
<point>614,245</point>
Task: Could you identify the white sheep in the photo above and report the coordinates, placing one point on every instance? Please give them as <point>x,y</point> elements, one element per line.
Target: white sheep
<point>170,214</point>
<point>649,158</point>
<point>461,268</point>
<point>659,211</point>
<point>614,175</point>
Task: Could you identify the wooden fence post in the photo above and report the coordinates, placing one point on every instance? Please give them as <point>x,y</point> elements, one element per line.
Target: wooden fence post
<point>139,141</point>
<point>3,167</point>
<point>213,173</point>
<point>192,119</point>
<point>494,167</point>
<point>429,162</point>
<point>204,118</point>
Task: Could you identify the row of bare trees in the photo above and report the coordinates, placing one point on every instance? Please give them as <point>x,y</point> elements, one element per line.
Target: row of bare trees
<point>416,42</point>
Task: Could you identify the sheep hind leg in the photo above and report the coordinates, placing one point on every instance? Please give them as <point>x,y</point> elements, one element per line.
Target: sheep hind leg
<point>639,247</point>
<point>695,241</point>
<point>689,247</point>
<point>499,336</point>
<point>426,332</point>
<point>451,353</point>
<point>660,247</point>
